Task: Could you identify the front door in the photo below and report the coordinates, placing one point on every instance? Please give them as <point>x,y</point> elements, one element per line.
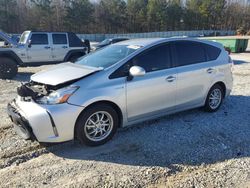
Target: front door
<point>40,48</point>
<point>154,92</point>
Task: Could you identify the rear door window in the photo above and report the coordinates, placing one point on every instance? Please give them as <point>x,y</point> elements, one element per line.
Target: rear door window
<point>59,38</point>
<point>189,52</point>
<point>39,39</point>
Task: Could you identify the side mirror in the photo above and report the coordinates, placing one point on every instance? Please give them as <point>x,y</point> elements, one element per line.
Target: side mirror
<point>29,43</point>
<point>136,71</point>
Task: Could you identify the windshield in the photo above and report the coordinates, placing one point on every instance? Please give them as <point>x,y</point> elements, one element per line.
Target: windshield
<point>107,56</point>
<point>24,37</point>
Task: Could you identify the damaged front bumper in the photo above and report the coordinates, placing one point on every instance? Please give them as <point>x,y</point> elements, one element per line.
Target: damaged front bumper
<point>20,123</point>
<point>44,123</point>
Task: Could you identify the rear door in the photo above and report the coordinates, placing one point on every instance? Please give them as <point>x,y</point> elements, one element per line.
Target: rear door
<point>154,92</point>
<point>60,46</point>
<point>194,73</point>
<point>40,48</point>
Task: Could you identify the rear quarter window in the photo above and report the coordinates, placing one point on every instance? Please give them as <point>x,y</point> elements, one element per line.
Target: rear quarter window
<point>212,52</point>
<point>74,41</point>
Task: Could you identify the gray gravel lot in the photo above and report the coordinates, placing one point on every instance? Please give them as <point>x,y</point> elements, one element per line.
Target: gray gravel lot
<point>188,149</point>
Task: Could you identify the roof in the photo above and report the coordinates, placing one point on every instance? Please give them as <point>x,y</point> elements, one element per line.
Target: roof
<point>141,41</point>
<point>41,31</point>
<point>226,37</point>
<point>119,38</point>
<point>148,41</point>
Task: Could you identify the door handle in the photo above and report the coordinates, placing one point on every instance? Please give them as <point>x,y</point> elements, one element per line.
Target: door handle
<point>170,78</point>
<point>47,47</point>
<point>65,47</point>
<point>210,70</point>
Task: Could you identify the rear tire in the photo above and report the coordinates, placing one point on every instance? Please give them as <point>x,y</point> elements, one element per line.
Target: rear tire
<point>214,98</point>
<point>97,125</point>
<point>8,68</point>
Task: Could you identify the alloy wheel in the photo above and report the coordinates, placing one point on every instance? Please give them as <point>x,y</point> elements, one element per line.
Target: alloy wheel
<point>215,98</point>
<point>98,126</point>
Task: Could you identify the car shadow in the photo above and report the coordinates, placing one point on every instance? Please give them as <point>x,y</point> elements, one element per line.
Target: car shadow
<point>239,62</point>
<point>192,137</point>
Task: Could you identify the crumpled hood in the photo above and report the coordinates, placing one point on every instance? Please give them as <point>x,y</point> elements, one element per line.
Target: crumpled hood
<point>8,39</point>
<point>63,73</point>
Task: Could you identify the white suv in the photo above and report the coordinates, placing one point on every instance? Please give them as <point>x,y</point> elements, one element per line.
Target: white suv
<point>37,48</point>
<point>122,84</point>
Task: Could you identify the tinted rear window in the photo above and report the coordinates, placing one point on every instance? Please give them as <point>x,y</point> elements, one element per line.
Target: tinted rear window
<point>212,52</point>
<point>74,41</point>
<point>59,39</point>
<point>189,52</point>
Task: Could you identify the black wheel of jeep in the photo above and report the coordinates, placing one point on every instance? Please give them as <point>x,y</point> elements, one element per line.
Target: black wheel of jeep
<point>8,68</point>
<point>97,125</point>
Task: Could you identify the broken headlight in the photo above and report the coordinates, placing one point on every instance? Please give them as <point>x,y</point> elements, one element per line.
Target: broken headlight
<point>58,96</point>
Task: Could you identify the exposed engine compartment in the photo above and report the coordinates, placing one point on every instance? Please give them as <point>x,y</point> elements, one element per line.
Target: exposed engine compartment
<point>34,90</point>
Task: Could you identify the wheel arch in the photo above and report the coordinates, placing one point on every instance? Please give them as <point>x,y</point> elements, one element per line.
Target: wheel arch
<point>72,53</point>
<point>11,55</point>
<point>110,103</point>
<point>222,85</point>
<point>206,106</point>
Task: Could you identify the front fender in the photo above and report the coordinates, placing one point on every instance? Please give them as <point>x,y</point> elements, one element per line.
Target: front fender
<point>86,98</point>
<point>12,55</point>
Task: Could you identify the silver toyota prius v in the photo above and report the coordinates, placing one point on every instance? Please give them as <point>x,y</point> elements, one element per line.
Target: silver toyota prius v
<point>120,85</point>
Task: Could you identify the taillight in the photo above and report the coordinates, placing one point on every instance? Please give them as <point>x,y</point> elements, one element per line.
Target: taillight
<point>231,62</point>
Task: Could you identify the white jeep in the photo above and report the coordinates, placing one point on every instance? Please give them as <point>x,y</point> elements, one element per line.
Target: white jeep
<point>38,48</point>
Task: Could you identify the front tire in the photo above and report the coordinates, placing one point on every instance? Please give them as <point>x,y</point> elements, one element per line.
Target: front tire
<point>214,98</point>
<point>97,125</point>
<point>8,68</point>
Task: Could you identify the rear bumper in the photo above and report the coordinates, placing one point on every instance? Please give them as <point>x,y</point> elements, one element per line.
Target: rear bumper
<point>228,91</point>
<point>44,123</point>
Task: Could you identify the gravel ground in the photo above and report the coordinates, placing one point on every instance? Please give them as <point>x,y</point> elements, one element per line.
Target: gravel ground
<point>188,149</point>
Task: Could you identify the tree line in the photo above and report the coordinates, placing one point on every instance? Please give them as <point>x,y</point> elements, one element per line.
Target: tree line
<point>122,16</point>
